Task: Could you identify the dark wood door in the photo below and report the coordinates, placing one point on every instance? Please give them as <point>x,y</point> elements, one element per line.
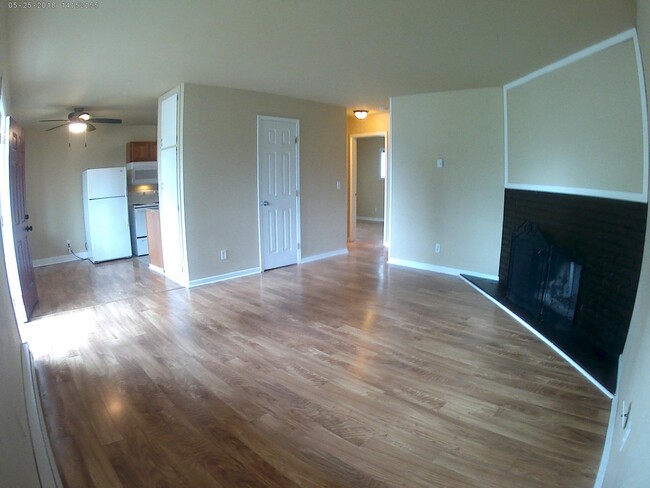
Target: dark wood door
<point>20,218</point>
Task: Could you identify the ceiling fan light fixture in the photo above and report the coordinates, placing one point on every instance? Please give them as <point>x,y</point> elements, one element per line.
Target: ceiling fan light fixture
<point>77,127</point>
<point>361,114</point>
<point>84,116</point>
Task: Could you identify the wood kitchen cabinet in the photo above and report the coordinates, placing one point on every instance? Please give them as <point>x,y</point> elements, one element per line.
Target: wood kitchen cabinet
<point>153,237</point>
<point>141,151</point>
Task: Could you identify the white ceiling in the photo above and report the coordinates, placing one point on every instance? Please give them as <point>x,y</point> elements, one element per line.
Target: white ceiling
<point>116,59</point>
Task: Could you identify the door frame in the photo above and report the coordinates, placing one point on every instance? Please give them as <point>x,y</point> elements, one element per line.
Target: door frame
<point>261,118</point>
<point>352,187</point>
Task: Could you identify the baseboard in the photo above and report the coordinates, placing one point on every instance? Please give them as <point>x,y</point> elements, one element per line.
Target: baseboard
<point>439,269</point>
<point>46,466</point>
<point>371,219</point>
<point>325,255</point>
<point>65,258</point>
<point>225,276</point>
<point>156,269</point>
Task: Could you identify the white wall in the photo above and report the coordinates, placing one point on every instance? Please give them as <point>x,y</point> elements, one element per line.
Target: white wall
<point>53,179</point>
<point>220,176</point>
<point>461,205</point>
<point>629,468</point>
<point>17,466</point>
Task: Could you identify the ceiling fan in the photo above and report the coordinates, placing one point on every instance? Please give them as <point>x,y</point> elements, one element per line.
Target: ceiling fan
<point>80,121</point>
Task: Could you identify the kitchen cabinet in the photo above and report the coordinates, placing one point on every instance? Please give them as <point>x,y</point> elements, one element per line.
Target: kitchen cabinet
<point>141,151</point>
<point>155,242</point>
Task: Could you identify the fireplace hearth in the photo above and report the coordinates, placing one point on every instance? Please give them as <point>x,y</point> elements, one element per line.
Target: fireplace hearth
<point>576,278</point>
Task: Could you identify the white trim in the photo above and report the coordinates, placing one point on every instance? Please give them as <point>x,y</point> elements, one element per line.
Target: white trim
<point>156,269</point>
<point>627,35</point>
<point>438,269</point>
<point>65,258</point>
<point>325,255</point>
<point>260,118</point>
<point>604,460</point>
<point>225,277</point>
<point>557,350</point>
<point>48,473</point>
<point>589,192</point>
<point>371,219</point>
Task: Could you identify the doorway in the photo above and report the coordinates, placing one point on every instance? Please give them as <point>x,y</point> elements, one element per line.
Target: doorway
<point>369,174</point>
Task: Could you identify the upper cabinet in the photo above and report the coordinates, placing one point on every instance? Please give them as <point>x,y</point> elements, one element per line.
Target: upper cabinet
<point>141,151</point>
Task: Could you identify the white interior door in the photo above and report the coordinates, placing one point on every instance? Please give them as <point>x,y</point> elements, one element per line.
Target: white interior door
<point>278,172</point>
<point>170,188</point>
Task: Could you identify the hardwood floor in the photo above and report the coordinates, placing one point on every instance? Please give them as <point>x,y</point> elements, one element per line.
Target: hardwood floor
<point>79,284</point>
<point>343,372</point>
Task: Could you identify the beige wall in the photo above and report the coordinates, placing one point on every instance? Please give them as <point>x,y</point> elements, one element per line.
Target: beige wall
<point>460,206</point>
<point>580,125</point>
<point>370,186</point>
<point>17,467</point>
<point>220,176</point>
<point>53,179</point>
<point>374,122</point>
<point>629,468</point>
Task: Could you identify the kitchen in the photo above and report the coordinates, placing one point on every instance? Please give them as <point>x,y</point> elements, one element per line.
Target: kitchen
<point>107,194</point>
<point>144,216</point>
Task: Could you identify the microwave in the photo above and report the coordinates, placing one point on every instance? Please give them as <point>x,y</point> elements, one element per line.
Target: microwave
<point>142,173</point>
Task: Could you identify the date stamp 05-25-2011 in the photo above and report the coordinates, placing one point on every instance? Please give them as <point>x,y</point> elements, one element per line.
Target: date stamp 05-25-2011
<point>52,5</point>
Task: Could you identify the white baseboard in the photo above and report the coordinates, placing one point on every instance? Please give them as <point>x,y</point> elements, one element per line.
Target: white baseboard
<point>439,269</point>
<point>156,269</point>
<point>65,258</point>
<point>371,219</point>
<point>45,465</point>
<point>225,276</point>
<point>325,255</point>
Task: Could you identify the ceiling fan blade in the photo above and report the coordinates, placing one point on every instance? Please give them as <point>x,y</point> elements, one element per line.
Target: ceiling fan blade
<point>56,127</point>
<point>53,120</point>
<point>90,127</point>
<point>105,121</point>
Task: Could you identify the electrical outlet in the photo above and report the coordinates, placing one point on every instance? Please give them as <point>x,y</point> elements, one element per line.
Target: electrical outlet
<point>437,247</point>
<point>68,244</point>
<point>224,254</point>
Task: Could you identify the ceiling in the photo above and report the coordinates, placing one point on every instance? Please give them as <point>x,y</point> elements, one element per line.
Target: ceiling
<point>116,59</point>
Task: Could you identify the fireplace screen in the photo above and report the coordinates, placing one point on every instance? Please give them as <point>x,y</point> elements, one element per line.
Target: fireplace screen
<point>542,279</point>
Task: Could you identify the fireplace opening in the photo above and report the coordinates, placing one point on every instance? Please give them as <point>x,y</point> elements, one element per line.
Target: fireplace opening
<point>543,279</point>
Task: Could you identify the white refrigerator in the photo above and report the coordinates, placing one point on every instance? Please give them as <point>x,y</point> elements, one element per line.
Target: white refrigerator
<point>106,214</point>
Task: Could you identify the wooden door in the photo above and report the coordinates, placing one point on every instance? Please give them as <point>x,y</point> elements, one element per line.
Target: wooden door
<point>20,217</point>
<point>278,176</point>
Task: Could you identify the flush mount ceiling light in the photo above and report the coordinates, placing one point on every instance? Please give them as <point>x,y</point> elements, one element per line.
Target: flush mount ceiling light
<point>360,114</point>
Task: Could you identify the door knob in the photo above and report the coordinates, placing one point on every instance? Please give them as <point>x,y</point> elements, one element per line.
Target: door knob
<point>266,203</point>
<point>29,228</point>
<point>26,216</point>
